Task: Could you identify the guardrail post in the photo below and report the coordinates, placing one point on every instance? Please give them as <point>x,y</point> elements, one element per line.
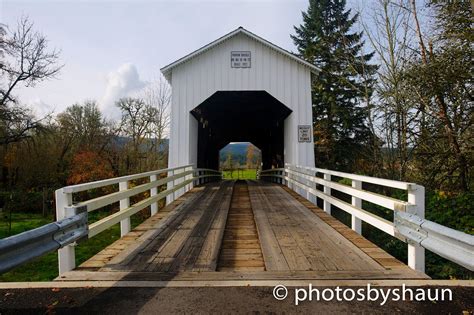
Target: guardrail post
<point>66,255</point>
<point>356,202</point>
<point>327,191</point>
<point>153,192</point>
<point>125,225</point>
<point>416,253</point>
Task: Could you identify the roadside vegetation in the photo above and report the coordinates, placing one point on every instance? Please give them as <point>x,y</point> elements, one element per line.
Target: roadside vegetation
<point>46,268</point>
<point>240,174</point>
<point>393,100</point>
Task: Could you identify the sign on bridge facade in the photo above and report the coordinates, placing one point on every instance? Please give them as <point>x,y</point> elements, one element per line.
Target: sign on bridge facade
<point>240,87</point>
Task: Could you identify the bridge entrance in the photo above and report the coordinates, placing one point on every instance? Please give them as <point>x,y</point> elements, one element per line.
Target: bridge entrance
<point>240,160</point>
<point>240,87</point>
<point>253,116</point>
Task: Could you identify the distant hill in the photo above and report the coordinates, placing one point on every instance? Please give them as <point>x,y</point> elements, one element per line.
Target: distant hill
<point>238,150</point>
<point>122,141</point>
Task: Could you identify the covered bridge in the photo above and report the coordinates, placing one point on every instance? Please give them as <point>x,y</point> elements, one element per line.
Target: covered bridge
<point>240,87</point>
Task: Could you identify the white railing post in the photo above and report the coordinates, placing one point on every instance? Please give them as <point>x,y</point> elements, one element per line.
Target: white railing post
<point>356,202</point>
<point>190,176</point>
<point>153,192</point>
<point>416,253</point>
<point>66,255</point>
<point>327,191</point>
<point>125,225</point>
<point>170,197</point>
<point>173,195</point>
<point>308,184</point>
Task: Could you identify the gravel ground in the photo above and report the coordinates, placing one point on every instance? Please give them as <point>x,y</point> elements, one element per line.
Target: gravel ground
<point>207,300</point>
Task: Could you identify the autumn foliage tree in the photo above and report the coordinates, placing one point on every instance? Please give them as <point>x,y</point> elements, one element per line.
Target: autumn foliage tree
<point>88,166</point>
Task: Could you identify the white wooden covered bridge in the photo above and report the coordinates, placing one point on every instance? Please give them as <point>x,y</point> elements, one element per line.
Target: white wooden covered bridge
<point>244,88</point>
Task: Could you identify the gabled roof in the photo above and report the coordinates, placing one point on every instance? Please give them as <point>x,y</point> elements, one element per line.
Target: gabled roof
<point>167,69</point>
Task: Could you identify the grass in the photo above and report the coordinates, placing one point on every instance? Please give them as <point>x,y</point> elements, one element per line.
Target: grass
<point>45,268</point>
<point>241,174</point>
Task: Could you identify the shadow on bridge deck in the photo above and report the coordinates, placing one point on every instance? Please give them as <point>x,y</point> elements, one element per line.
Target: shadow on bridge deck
<point>196,238</point>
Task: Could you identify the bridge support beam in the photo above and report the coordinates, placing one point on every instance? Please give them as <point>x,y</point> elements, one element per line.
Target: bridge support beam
<point>416,253</point>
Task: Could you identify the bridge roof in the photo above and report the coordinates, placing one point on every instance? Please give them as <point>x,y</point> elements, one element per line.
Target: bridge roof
<point>168,69</point>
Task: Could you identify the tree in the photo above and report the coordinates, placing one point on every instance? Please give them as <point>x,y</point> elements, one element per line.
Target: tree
<point>389,36</point>
<point>250,156</point>
<point>229,164</point>
<point>88,166</point>
<point>158,96</point>
<point>136,124</point>
<point>25,59</point>
<point>339,119</point>
<point>84,125</point>
<point>444,94</point>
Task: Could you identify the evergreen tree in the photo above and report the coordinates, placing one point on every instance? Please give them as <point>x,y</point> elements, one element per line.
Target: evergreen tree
<point>338,90</point>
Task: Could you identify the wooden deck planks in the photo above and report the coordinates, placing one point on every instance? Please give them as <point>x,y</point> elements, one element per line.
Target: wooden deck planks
<point>344,254</point>
<point>110,252</point>
<point>269,232</point>
<point>241,248</point>
<point>306,242</point>
<point>192,240</point>
<point>388,262</point>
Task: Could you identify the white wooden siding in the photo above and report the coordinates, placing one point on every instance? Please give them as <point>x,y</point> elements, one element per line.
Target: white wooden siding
<point>198,78</point>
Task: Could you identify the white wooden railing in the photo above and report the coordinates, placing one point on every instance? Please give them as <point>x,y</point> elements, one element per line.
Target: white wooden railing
<point>408,224</point>
<point>178,180</point>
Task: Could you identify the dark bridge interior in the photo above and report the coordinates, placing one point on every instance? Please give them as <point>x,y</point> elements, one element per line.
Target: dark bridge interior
<point>253,116</point>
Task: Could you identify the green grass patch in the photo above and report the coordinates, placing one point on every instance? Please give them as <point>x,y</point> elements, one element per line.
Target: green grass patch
<point>240,174</point>
<point>46,268</point>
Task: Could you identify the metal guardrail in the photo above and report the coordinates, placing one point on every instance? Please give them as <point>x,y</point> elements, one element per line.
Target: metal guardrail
<point>21,248</point>
<point>451,244</point>
<point>408,223</point>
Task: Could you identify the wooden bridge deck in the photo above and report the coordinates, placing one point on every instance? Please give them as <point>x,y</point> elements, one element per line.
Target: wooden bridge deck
<point>245,230</point>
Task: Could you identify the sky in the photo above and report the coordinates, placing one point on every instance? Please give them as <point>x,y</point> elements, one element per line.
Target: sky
<point>112,49</point>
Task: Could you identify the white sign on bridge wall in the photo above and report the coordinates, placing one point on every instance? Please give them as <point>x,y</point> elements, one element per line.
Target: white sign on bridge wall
<point>304,133</point>
<point>240,59</point>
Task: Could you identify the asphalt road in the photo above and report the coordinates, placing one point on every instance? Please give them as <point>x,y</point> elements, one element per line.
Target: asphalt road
<point>207,300</point>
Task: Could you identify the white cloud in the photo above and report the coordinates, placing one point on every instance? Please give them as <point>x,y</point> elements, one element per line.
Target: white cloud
<point>121,82</point>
